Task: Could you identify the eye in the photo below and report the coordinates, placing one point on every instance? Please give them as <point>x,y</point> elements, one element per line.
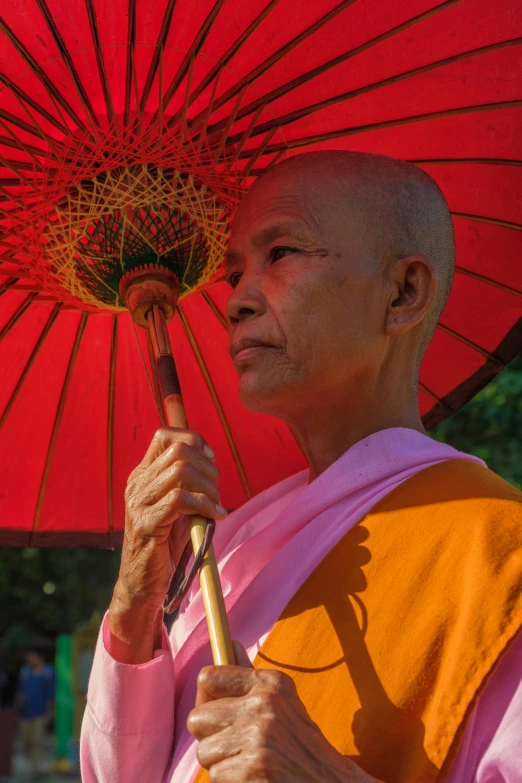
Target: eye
<point>276,253</point>
<point>234,279</point>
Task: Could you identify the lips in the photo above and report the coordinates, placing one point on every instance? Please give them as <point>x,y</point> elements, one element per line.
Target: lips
<point>247,343</point>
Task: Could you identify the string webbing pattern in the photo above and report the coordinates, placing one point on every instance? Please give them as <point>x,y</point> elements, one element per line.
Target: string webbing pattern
<point>123,200</point>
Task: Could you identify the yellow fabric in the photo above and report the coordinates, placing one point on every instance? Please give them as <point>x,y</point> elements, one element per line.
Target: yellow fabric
<point>393,636</point>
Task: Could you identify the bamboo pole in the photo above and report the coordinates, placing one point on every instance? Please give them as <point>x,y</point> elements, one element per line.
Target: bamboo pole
<point>217,621</point>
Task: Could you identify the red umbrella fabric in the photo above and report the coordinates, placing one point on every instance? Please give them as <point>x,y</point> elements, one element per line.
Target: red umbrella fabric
<point>129,130</point>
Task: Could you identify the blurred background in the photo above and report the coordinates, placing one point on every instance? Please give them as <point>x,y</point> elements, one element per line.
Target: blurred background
<point>52,602</point>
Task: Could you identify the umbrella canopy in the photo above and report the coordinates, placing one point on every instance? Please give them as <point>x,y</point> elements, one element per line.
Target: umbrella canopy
<point>128,132</point>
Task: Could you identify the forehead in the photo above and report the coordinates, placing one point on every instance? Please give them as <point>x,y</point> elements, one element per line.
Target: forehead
<point>275,207</point>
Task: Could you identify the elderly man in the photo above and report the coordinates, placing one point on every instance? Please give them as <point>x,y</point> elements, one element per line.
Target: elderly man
<point>378,593</point>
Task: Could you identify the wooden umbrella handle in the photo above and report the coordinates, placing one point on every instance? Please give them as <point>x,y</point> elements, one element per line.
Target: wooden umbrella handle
<point>217,621</point>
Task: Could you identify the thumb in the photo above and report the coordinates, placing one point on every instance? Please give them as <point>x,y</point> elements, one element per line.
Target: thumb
<point>241,656</point>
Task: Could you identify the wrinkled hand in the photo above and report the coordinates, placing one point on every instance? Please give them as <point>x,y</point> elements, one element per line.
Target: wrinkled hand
<point>176,478</point>
<point>252,727</point>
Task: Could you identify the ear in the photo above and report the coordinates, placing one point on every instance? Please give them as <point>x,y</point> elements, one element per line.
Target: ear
<point>413,281</point>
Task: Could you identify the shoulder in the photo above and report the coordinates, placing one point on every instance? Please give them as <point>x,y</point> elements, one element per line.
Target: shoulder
<point>456,484</point>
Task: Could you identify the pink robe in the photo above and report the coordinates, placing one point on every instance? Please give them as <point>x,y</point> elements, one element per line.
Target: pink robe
<point>134,726</point>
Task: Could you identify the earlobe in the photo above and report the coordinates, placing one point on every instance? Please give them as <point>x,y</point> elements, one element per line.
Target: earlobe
<point>414,282</point>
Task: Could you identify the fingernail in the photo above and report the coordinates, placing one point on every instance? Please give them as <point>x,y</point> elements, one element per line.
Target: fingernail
<point>208,451</point>
<point>220,509</point>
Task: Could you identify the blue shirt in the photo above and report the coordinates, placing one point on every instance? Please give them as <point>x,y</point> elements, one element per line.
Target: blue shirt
<point>37,689</point>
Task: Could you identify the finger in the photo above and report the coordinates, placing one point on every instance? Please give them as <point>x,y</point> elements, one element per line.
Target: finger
<point>218,747</point>
<point>167,436</point>
<point>181,451</point>
<point>209,718</point>
<point>231,770</point>
<point>241,655</point>
<point>218,682</point>
<point>180,475</point>
<point>180,501</point>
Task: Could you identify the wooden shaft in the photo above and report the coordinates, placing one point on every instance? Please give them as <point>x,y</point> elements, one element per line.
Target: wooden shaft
<point>217,621</point>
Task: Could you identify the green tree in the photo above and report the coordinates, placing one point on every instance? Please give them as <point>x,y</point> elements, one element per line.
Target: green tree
<point>490,425</point>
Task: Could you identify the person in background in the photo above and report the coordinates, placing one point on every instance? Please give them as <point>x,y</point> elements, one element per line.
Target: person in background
<point>34,701</point>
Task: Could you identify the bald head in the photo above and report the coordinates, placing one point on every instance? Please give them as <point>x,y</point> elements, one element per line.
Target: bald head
<point>398,208</point>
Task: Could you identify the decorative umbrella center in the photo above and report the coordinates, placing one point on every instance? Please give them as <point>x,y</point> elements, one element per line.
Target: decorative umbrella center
<point>128,217</point>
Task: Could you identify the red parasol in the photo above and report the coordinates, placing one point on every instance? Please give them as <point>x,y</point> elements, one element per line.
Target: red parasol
<point>128,131</point>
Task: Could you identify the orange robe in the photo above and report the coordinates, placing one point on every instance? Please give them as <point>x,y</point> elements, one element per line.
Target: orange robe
<point>389,660</point>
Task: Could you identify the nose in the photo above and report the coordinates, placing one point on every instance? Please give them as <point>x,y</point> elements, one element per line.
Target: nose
<point>245,302</point>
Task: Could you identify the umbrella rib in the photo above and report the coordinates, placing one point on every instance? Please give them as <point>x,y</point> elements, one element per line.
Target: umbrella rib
<point>306,111</point>
<point>219,315</point>
<point>191,55</point>
<point>304,141</point>
<point>57,421</point>
<point>487,161</point>
<point>215,399</point>
<point>488,280</point>
<point>39,73</point>
<point>225,58</point>
<point>129,75</point>
<point>250,77</point>
<point>284,89</point>
<point>158,49</point>
<point>34,353</point>
<point>17,315</point>
<point>471,344</point>
<point>7,284</point>
<point>5,141</point>
<point>23,96</point>
<point>95,34</point>
<point>481,219</point>
<point>66,57</point>
<point>110,419</point>
<point>433,396</point>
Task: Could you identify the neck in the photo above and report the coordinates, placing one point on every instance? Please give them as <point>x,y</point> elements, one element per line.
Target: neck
<point>332,425</point>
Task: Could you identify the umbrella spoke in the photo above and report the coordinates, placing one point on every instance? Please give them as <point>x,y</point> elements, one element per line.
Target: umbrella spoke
<point>50,87</point>
<point>58,420</point>
<point>311,109</point>
<point>306,141</point>
<point>225,59</point>
<point>215,399</point>
<point>158,53</point>
<point>191,54</point>
<point>91,13</point>
<point>263,67</point>
<point>45,331</point>
<point>287,87</point>
<point>483,279</point>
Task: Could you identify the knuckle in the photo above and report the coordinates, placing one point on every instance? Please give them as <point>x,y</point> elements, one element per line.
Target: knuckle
<point>178,472</point>
<point>277,681</point>
<point>180,450</point>
<point>195,439</point>
<point>176,496</point>
<point>260,764</point>
<point>262,704</point>
<point>203,754</point>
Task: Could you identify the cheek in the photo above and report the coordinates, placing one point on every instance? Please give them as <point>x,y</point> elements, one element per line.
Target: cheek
<point>328,323</point>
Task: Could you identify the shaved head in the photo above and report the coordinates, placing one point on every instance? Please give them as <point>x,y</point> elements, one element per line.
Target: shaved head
<point>341,264</point>
<point>400,210</point>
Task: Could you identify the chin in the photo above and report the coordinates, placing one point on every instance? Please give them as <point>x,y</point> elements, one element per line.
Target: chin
<point>259,397</point>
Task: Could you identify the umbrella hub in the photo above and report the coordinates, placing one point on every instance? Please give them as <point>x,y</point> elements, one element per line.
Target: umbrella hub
<point>147,286</point>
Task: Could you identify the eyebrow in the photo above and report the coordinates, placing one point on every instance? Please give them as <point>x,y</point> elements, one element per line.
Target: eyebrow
<point>268,235</point>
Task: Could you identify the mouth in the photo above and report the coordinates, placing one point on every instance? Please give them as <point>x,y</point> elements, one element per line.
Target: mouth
<point>245,349</point>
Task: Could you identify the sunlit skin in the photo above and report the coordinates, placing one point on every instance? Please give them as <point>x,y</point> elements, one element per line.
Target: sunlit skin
<point>334,296</point>
<point>340,365</point>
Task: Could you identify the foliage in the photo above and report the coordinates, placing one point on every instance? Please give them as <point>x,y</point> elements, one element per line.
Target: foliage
<point>490,425</point>
<point>44,592</point>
